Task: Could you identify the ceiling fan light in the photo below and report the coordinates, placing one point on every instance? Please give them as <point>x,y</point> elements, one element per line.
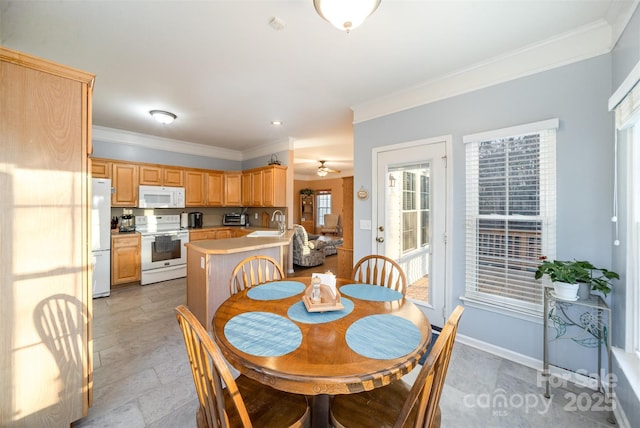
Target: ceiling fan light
<point>345,14</point>
<point>164,117</point>
<point>322,172</point>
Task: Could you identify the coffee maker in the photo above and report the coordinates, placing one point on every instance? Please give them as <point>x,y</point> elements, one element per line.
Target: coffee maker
<point>195,220</point>
<point>127,223</point>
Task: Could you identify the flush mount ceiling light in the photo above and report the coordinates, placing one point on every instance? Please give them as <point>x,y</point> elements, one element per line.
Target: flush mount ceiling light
<point>345,14</point>
<point>164,117</point>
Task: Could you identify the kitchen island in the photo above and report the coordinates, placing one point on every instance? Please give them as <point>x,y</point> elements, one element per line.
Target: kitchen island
<point>210,263</point>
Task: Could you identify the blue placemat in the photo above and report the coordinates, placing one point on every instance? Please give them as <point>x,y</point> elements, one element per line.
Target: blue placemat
<point>276,290</point>
<point>383,337</point>
<point>263,334</point>
<point>298,312</point>
<point>376,293</point>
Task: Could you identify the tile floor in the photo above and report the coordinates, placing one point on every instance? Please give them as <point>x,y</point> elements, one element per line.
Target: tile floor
<point>142,378</point>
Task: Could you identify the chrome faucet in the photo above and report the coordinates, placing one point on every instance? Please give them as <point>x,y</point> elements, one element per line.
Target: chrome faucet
<point>279,218</point>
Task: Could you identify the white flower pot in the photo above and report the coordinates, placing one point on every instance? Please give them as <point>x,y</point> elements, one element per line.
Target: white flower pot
<point>565,290</point>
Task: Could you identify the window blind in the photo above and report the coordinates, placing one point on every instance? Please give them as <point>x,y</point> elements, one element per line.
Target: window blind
<point>510,214</point>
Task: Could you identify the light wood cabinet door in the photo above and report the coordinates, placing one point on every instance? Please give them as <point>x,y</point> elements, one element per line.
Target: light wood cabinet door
<point>256,188</point>
<point>233,189</point>
<point>274,180</point>
<point>173,177</point>
<point>100,168</point>
<point>194,188</point>
<point>125,259</point>
<point>224,234</point>
<point>124,178</point>
<point>247,189</point>
<point>150,175</point>
<point>45,252</point>
<point>215,189</point>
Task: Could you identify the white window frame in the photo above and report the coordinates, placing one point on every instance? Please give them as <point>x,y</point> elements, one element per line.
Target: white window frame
<point>625,101</point>
<point>547,188</point>
<point>321,208</point>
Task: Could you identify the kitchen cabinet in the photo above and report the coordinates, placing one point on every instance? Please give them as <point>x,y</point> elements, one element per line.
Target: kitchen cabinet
<point>45,252</point>
<point>233,189</point>
<point>194,181</point>
<point>156,175</point>
<point>100,168</point>
<point>274,182</point>
<point>173,177</point>
<point>215,188</point>
<point>150,175</point>
<point>247,191</point>
<point>266,186</point>
<point>124,179</point>
<point>125,258</point>
<point>258,187</point>
<point>216,233</point>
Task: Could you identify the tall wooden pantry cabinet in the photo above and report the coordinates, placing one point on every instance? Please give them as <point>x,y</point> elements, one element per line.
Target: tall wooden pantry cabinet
<point>45,296</point>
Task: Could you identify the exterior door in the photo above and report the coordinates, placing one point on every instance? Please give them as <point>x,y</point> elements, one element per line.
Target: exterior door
<point>410,222</point>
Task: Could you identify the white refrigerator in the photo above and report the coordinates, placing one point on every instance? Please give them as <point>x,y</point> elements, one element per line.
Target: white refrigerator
<point>101,236</point>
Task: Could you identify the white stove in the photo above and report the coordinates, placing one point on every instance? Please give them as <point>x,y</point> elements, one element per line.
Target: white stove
<point>163,254</point>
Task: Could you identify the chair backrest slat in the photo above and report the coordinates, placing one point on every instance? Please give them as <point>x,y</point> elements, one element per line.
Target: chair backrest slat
<point>427,388</point>
<point>380,270</point>
<point>210,373</point>
<point>254,270</point>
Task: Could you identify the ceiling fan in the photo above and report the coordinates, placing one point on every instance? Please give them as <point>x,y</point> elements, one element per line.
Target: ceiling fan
<point>324,170</point>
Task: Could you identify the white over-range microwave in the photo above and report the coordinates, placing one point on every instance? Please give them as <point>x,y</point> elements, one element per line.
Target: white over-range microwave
<point>160,197</point>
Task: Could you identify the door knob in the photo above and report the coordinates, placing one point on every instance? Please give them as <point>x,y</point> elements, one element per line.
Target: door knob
<point>381,228</point>
<point>380,239</point>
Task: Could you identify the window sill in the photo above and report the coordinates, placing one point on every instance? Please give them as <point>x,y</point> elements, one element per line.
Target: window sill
<point>630,365</point>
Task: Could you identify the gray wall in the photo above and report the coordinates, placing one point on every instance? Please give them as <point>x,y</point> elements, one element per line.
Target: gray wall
<point>132,153</point>
<point>576,94</point>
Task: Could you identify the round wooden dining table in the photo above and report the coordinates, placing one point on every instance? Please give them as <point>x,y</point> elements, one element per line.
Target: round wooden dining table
<point>267,333</point>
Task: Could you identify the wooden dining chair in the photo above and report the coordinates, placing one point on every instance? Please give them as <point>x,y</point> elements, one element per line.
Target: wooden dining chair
<point>399,405</point>
<point>380,270</point>
<point>254,270</point>
<point>222,398</point>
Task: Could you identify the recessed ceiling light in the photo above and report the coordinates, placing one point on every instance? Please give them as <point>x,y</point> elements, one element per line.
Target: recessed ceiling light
<point>276,122</point>
<point>164,117</point>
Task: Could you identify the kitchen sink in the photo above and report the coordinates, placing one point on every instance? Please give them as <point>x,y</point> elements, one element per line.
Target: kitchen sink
<point>265,233</point>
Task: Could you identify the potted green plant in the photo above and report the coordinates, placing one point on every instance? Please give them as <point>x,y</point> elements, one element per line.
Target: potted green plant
<point>568,275</point>
<point>306,192</point>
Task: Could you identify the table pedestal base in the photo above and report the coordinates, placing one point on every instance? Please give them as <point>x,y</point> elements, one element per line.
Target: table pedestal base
<point>320,411</point>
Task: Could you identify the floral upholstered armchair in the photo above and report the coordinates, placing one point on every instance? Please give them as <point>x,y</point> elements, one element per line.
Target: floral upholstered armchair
<point>305,252</point>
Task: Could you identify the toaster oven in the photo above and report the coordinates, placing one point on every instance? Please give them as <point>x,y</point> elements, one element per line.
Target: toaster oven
<point>234,219</point>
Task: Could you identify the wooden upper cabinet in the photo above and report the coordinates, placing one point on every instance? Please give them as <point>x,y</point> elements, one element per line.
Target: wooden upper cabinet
<point>256,188</point>
<point>124,178</point>
<point>215,188</point>
<point>264,187</point>
<point>274,180</point>
<point>150,175</point>
<point>173,177</point>
<point>194,181</point>
<point>233,189</point>
<point>155,175</point>
<point>100,168</point>
<point>247,190</point>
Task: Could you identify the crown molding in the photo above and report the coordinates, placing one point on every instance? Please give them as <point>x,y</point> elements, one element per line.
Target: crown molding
<point>580,44</point>
<point>120,136</point>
